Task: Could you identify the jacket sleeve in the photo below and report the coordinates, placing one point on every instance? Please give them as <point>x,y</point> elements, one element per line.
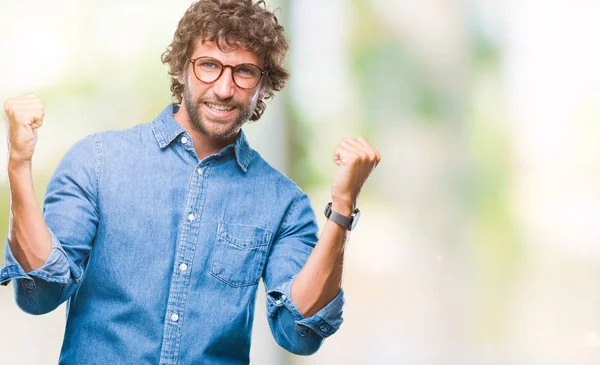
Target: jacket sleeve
<point>293,244</point>
<point>71,213</point>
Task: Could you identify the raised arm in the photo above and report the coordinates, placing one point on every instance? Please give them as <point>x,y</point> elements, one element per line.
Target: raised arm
<point>45,250</point>
<point>28,234</point>
<point>320,280</point>
<point>304,273</point>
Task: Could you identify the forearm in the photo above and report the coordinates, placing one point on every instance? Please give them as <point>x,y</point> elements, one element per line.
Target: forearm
<point>28,236</point>
<point>320,280</point>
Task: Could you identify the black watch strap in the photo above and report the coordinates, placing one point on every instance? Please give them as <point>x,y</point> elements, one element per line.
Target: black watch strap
<point>347,222</point>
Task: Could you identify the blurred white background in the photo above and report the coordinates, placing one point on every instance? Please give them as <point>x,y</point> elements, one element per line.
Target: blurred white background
<point>479,241</point>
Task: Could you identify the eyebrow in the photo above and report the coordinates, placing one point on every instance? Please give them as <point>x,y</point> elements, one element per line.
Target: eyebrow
<point>241,63</point>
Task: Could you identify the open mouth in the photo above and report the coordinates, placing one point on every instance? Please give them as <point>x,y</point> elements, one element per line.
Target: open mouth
<point>219,108</point>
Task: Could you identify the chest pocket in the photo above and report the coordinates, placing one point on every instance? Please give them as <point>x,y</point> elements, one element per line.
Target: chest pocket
<point>240,253</point>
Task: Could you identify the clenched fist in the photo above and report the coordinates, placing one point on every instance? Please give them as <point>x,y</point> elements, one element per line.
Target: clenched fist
<point>356,159</point>
<point>25,115</point>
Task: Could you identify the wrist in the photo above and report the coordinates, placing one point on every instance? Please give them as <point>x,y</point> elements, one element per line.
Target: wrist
<point>20,157</point>
<point>17,165</point>
<point>341,217</point>
<point>343,207</point>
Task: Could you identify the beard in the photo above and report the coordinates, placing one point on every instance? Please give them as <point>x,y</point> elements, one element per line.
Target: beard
<point>217,129</point>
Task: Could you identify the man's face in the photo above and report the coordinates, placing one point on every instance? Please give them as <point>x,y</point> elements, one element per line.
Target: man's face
<point>218,109</point>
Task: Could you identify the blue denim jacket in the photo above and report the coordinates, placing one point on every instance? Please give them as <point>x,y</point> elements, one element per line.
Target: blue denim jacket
<point>160,254</point>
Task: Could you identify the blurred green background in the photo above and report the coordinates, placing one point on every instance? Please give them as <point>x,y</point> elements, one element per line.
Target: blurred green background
<point>479,241</point>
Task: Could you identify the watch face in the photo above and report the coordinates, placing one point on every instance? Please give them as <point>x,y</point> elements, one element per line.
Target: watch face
<point>355,220</point>
<point>328,210</point>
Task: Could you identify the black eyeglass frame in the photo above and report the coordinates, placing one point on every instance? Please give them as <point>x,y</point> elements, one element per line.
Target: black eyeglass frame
<point>223,67</point>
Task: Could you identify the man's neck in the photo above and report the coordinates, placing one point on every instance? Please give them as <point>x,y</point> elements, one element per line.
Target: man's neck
<point>203,144</point>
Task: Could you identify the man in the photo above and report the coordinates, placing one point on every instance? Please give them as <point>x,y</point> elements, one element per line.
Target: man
<point>157,236</point>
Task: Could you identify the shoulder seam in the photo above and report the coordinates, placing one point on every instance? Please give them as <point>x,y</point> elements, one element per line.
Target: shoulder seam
<point>99,164</point>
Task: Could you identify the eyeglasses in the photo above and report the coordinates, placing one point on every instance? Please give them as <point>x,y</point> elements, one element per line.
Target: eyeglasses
<point>245,75</point>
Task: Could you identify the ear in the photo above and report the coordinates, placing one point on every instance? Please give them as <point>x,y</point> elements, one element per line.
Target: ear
<point>181,79</point>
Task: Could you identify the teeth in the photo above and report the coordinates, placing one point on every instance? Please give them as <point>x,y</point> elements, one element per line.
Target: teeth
<point>219,108</point>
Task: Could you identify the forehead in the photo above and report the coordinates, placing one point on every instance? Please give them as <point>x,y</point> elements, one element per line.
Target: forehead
<point>234,57</point>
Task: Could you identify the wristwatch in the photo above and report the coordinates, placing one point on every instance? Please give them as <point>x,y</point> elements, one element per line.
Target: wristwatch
<point>347,222</point>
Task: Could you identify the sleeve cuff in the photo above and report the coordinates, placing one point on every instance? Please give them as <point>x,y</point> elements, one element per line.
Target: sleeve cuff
<point>56,269</point>
<point>325,322</point>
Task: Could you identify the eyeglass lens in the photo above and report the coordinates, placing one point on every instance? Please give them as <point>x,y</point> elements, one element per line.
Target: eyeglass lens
<point>244,75</point>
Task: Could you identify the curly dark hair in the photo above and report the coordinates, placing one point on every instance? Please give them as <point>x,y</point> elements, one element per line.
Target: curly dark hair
<point>232,24</point>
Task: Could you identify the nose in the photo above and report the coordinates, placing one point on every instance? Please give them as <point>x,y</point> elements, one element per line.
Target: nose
<point>224,87</point>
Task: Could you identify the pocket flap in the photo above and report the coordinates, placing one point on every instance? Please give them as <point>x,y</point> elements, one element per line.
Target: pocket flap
<point>244,236</point>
